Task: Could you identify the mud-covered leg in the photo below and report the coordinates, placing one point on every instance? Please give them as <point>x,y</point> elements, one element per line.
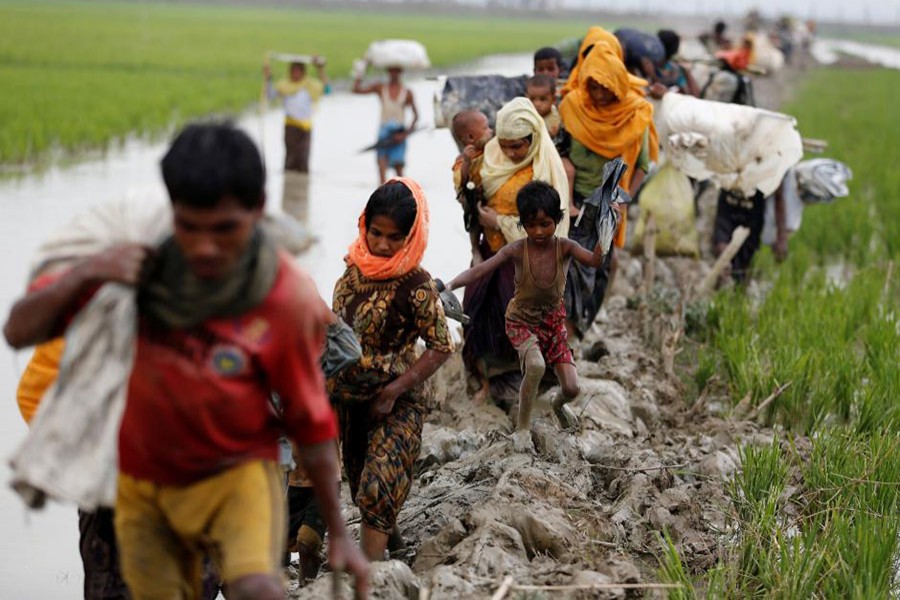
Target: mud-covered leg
<point>534,367</point>
<point>569,390</point>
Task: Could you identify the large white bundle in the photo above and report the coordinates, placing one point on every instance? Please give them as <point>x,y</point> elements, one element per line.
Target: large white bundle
<point>407,54</point>
<point>737,147</point>
<point>765,55</point>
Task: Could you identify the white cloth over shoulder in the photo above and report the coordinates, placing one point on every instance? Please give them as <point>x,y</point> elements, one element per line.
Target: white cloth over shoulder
<point>406,54</point>
<point>71,451</point>
<point>737,147</point>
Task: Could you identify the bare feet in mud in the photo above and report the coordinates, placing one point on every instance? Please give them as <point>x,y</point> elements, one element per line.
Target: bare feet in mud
<point>564,414</point>
<point>522,441</point>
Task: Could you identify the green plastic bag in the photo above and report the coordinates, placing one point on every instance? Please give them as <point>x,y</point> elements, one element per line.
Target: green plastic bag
<point>669,197</point>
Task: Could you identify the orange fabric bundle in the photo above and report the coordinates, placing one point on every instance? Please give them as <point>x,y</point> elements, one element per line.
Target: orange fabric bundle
<point>594,36</point>
<point>618,128</point>
<point>409,257</point>
<point>39,375</point>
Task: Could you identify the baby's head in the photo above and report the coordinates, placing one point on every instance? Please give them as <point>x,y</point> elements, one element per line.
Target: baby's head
<point>548,61</point>
<point>471,128</point>
<point>538,201</point>
<point>541,90</point>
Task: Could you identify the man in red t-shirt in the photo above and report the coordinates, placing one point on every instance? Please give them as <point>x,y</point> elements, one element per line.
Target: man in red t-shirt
<point>225,321</point>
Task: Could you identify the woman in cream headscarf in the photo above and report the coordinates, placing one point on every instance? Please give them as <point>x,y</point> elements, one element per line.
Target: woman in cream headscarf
<point>521,152</point>
<point>606,118</point>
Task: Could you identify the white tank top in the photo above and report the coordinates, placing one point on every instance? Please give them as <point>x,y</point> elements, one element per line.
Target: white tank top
<point>393,110</point>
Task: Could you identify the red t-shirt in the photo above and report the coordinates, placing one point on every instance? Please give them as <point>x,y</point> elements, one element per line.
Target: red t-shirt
<point>198,400</point>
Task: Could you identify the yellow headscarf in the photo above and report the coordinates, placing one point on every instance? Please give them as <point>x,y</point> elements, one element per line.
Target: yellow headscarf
<point>516,120</point>
<point>616,129</point>
<point>594,36</point>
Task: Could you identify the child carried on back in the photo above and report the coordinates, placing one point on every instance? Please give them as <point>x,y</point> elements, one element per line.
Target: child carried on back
<point>535,318</point>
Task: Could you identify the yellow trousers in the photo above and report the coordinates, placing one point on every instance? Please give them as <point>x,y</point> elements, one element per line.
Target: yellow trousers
<point>237,517</point>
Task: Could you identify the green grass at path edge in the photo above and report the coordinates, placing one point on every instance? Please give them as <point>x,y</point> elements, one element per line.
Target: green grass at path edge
<point>81,74</point>
<point>838,342</point>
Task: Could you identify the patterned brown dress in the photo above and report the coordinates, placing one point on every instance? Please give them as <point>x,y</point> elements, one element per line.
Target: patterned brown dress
<point>388,317</point>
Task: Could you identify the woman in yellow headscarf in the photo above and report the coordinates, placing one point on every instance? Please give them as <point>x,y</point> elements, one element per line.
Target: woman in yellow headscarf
<point>606,118</point>
<point>521,152</point>
<point>594,36</point>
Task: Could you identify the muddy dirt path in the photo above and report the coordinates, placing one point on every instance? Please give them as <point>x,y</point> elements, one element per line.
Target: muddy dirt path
<point>589,507</point>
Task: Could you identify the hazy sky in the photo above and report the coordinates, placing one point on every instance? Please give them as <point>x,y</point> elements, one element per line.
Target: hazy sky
<point>881,12</point>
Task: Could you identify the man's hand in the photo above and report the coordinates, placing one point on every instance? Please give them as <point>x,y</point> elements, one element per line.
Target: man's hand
<point>487,217</point>
<point>318,61</point>
<point>344,555</point>
<point>384,403</point>
<point>123,263</point>
<point>574,211</point>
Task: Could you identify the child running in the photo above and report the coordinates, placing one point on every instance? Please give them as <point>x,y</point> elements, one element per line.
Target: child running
<point>535,318</point>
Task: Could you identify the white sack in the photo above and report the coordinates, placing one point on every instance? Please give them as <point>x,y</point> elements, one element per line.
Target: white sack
<point>737,147</point>
<point>71,450</point>
<point>407,54</point>
<point>765,55</point>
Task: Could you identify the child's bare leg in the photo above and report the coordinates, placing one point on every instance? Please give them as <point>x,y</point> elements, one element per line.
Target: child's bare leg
<point>534,372</point>
<point>569,390</point>
<point>382,168</point>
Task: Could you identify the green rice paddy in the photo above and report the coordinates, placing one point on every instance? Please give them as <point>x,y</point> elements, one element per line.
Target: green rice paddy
<point>80,74</point>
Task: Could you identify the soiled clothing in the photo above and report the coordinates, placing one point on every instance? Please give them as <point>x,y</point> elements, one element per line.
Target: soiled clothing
<point>388,316</point>
<point>198,398</point>
<point>532,301</point>
<point>237,517</point>
<point>379,455</point>
<point>549,336</point>
<point>536,315</point>
<point>732,211</point>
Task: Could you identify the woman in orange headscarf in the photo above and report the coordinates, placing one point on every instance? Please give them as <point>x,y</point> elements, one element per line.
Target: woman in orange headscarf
<point>390,302</point>
<point>606,118</point>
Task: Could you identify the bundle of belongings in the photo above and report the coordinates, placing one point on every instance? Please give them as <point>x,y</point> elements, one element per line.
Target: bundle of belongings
<point>738,148</point>
<point>485,93</point>
<point>406,54</point>
<point>71,451</point>
<point>668,195</point>
<point>815,181</point>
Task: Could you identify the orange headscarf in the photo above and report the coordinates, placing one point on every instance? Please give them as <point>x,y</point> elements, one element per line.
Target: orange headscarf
<point>613,130</point>
<point>408,257</point>
<point>594,36</point>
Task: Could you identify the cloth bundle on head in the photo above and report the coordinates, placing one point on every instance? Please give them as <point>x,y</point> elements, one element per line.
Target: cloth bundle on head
<point>594,36</point>
<point>618,128</point>
<point>516,120</point>
<point>408,257</point>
